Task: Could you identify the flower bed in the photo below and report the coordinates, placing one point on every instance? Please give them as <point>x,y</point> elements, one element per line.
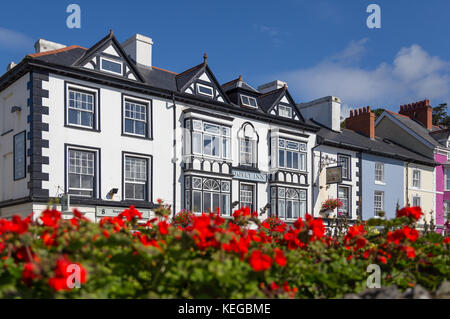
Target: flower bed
<point>207,256</point>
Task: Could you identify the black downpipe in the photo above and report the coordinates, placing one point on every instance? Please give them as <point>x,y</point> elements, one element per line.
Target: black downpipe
<point>174,162</point>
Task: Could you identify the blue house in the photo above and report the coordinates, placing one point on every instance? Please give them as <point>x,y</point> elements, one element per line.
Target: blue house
<point>383,182</point>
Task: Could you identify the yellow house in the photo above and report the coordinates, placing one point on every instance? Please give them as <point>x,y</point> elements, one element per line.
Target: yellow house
<point>420,189</point>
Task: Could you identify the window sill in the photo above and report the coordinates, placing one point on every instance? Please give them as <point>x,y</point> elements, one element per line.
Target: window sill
<point>380,183</point>
<point>82,128</point>
<point>137,136</point>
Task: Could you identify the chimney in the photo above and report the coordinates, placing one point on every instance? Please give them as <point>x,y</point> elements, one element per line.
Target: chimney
<point>421,112</point>
<point>326,111</point>
<point>42,45</point>
<point>362,121</point>
<point>139,48</point>
<point>271,86</point>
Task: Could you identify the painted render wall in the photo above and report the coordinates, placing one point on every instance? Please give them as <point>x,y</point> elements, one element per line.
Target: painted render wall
<point>427,191</point>
<point>441,194</point>
<point>16,94</point>
<point>393,186</point>
<point>321,190</point>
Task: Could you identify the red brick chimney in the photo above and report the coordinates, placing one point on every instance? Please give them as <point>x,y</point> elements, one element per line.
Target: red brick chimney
<point>421,112</point>
<point>362,121</point>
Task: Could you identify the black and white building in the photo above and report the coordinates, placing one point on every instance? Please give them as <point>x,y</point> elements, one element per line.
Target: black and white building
<point>111,130</point>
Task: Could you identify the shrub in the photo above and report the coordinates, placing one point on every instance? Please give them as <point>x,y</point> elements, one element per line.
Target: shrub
<point>213,257</point>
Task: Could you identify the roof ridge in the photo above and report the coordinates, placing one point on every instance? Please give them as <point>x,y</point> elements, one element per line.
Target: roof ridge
<point>398,114</point>
<point>188,70</point>
<point>228,83</point>
<point>272,92</point>
<point>155,67</point>
<point>35,55</point>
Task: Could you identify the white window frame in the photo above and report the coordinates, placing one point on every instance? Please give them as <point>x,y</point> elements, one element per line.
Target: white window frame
<point>300,153</point>
<point>446,179</point>
<point>205,86</point>
<point>86,90</point>
<point>249,104</point>
<point>378,198</point>
<point>148,119</point>
<point>379,171</point>
<point>253,203</point>
<point>96,174</point>
<point>418,180</point>
<point>286,108</point>
<point>148,159</point>
<point>113,61</point>
<point>349,198</point>
<point>347,168</point>
<point>224,136</point>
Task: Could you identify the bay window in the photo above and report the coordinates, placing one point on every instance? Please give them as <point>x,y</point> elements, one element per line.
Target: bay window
<point>207,195</point>
<point>208,139</point>
<point>288,203</point>
<point>291,155</point>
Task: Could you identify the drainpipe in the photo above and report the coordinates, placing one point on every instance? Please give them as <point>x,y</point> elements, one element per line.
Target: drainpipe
<point>312,177</point>
<point>407,183</point>
<point>360,178</point>
<point>174,159</point>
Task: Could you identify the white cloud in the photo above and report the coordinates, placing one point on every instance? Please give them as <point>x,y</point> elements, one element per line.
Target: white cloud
<point>13,40</point>
<point>411,76</point>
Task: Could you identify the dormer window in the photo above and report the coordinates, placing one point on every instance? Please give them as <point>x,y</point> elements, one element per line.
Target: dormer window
<point>111,66</point>
<point>285,111</point>
<point>248,101</point>
<point>205,90</point>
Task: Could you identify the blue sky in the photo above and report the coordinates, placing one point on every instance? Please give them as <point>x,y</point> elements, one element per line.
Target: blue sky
<point>320,47</point>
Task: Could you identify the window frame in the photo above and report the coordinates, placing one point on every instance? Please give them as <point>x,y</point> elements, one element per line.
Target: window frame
<point>17,178</point>
<point>96,127</point>
<point>419,179</point>
<point>287,107</point>
<point>275,199</point>
<point>382,181</point>
<point>420,200</point>
<point>96,192</point>
<point>198,85</point>
<point>149,182</point>
<point>249,98</point>
<point>254,195</point>
<point>446,179</point>
<point>191,141</point>
<point>285,151</point>
<point>190,190</point>
<point>113,61</point>
<point>149,116</point>
<point>381,194</point>
<point>349,167</point>
<point>349,199</point>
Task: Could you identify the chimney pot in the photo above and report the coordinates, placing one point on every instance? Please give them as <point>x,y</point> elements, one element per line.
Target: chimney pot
<point>362,120</point>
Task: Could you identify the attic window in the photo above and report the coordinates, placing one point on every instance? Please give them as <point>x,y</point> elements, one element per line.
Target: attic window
<point>248,101</point>
<point>285,111</point>
<point>205,90</point>
<point>111,66</point>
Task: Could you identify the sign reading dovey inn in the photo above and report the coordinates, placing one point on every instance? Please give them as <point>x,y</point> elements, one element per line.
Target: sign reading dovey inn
<point>250,176</point>
<point>102,211</point>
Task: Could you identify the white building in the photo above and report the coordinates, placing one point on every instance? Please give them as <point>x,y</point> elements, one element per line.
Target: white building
<point>107,127</point>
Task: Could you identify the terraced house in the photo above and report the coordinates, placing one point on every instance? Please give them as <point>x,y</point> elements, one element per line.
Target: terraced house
<point>110,129</point>
<point>107,128</point>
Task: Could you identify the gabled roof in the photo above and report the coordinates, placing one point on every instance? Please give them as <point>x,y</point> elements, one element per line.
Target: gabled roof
<point>412,125</point>
<point>378,146</point>
<point>271,99</point>
<point>441,134</point>
<point>103,44</point>
<point>238,83</point>
<point>185,78</point>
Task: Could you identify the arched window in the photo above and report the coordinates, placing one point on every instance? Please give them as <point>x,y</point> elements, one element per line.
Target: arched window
<point>248,145</point>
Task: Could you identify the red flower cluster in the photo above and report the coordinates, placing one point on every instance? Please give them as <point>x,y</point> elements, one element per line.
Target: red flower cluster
<point>260,261</point>
<point>15,225</point>
<point>401,234</point>
<point>62,272</point>
<point>355,235</point>
<point>413,213</point>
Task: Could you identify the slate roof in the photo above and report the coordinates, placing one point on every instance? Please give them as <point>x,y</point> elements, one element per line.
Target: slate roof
<point>378,146</point>
<point>238,83</point>
<point>184,77</point>
<point>267,100</point>
<point>441,134</point>
<point>417,127</point>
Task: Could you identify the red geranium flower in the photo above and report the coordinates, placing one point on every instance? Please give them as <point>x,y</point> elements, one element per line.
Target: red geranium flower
<point>410,212</point>
<point>260,261</point>
<point>280,258</point>
<point>62,273</point>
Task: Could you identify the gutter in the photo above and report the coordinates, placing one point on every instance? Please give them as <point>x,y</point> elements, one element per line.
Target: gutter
<point>174,159</point>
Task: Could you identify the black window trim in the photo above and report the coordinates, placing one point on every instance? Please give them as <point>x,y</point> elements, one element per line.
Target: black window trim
<point>140,100</point>
<point>85,89</point>
<point>349,169</point>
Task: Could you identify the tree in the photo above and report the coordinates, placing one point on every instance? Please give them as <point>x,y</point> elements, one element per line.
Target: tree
<point>440,116</point>
<point>378,112</point>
